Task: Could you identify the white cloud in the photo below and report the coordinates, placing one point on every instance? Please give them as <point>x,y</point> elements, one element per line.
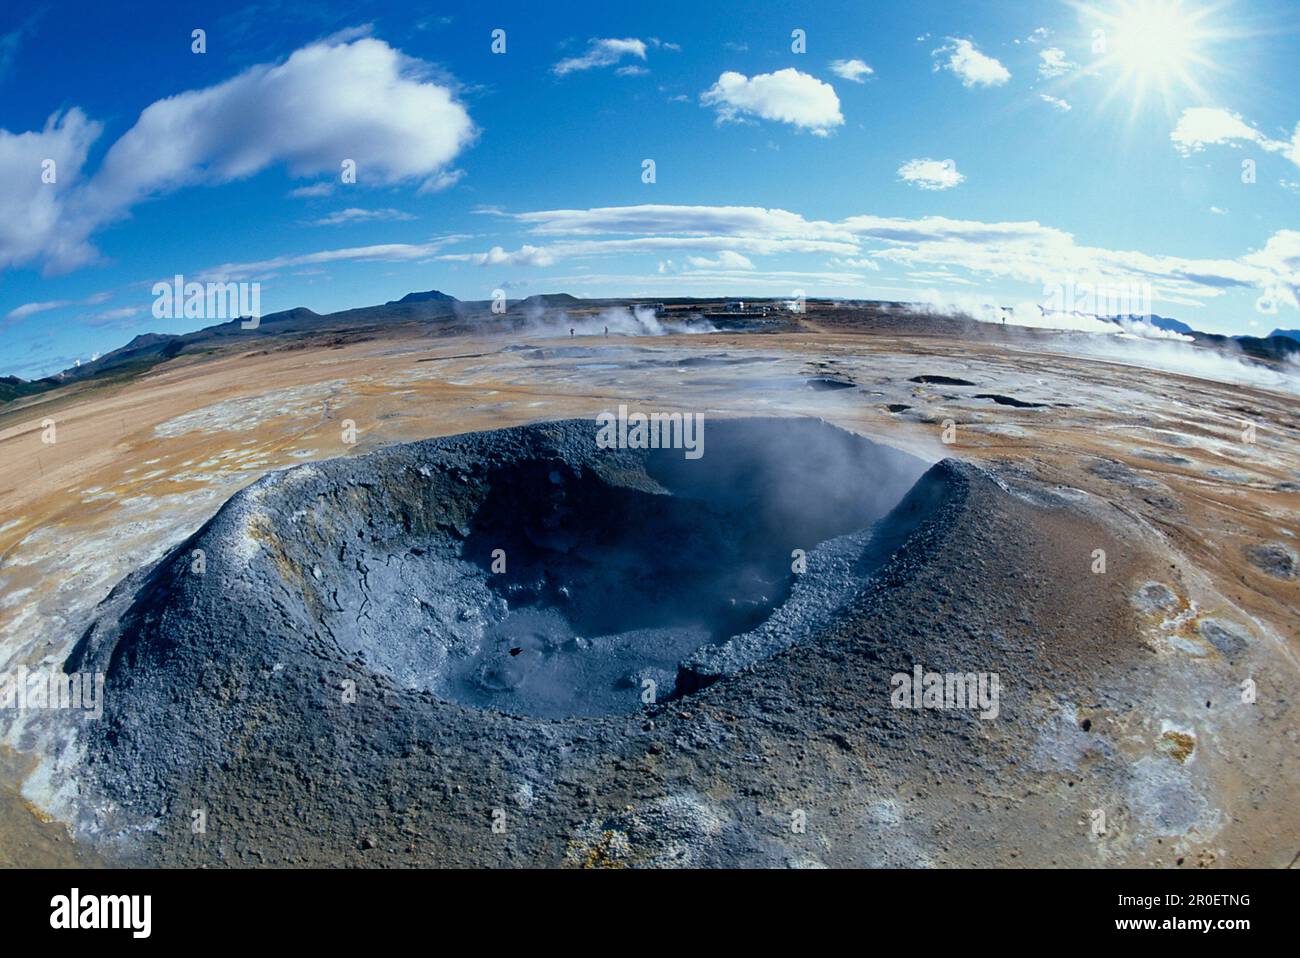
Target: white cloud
<point>313,191</point>
<point>441,181</point>
<point>755,245</point>
<point>855,263</point>
<point>33,213</point>
<point>1054,63</point>
<point>601,53</point>
<point>121,318</point>
<point>970,65</point>
<point>31,309</point>
<point>930,174</point>
<point>1280,257</point>
<point>854,70</point>
<point>693,220</point>
<point>361,100</point>
<point>787,96</point>
<point>724,247</point>
<point>122,312</point>
<point>1062,105</point>
<point>1031,253</point>
<point>1026,252</point>
<point>669,283</point>
<point>726,259</point>
<point>355,214</point>
<point>496,256</point>
<point>1199,127</point>
<point>383,252</point>
<point>726,232</point>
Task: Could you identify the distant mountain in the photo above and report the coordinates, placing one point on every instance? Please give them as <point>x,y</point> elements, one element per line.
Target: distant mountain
<point>146,344</point>
<point>432,296</point>
<point>1278,345</point>
<point>1260,347</point>
<point>149,349</point>
<point>144,340</point>
<point>11,387</point>
<point>1173,325</point>
<point>550,300</point>
<point>1159,322</point>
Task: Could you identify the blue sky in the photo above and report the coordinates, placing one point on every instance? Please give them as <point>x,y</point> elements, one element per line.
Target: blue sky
<point>961,154</point>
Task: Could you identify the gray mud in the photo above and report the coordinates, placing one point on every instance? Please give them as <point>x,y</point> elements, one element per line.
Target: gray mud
<point>318,691</point>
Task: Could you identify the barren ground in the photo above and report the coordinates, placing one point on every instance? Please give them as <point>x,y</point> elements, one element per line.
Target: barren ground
<point>1173,490</point>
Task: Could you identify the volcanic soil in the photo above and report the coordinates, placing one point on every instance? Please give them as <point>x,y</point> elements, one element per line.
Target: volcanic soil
<point>1158,692</point>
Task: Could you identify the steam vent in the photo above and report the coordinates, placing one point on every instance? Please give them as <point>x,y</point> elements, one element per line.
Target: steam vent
<point>527,570</point>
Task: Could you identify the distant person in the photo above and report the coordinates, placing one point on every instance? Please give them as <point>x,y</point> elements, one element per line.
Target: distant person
<point>606,330</point>
<point>571,333</point>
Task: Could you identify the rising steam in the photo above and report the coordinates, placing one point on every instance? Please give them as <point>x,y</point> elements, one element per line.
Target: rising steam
<point>618,320</point>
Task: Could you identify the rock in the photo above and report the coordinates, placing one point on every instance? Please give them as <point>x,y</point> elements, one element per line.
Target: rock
<point>1272,558</point>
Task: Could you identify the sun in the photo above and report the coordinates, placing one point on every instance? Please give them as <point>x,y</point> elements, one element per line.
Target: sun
<point>1154,49</point>
<point>1155,40</point>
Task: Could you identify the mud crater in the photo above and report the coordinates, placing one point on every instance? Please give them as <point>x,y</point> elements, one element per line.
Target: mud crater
<point>530,572</point>
<point>580,591</point>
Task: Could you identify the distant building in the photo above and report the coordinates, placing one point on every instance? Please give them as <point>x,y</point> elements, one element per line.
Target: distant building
<point>737,309</point>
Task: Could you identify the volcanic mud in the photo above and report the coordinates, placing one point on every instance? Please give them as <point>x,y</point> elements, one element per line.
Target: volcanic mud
<point>528,570</point>
<point>515,648</point>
